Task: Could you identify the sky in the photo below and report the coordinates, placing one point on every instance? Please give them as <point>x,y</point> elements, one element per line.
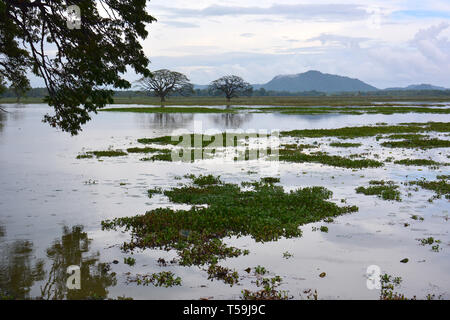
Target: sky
<point>386,43</point>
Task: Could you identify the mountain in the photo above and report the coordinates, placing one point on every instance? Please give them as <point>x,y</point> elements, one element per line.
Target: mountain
<point>422,86</point>
<point>200,86</point>
<point>315,80</point>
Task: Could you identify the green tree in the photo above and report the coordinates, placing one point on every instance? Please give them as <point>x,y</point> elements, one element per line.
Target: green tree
<point>20,86</point>
<point>231,87</point>
<point>79,62</point>
<point>162,83</point>
<point>2,85</point>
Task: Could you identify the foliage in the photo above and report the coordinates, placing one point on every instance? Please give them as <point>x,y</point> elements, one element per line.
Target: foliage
<point>162,83</point>
<point>88,59</point>
<point>231,87</point>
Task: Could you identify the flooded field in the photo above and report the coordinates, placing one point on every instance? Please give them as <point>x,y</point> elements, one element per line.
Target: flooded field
<point>52,206</point>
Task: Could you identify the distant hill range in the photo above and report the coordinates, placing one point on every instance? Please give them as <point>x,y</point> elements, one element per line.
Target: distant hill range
<point>324,82</point>
<point>315,81</point>
<point>422,86</point>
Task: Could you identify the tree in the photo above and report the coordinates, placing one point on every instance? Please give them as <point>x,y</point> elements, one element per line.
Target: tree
<point>2,85</point>
<point>79,62</point>
<point>231,86</point>
<point>162,83</point>
<point>19,86</point>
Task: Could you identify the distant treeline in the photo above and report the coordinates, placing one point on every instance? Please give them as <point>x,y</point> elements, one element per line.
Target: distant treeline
<point>42,92</point>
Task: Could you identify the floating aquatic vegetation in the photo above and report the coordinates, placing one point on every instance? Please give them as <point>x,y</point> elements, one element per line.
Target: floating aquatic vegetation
<point>418,162</point>
<point>388,285</point>
<point>418,143</point>
<point>269,291</point>
<point>153,191</point>
<point>290,155</point>
<point>369,131</point>
<point>434,243</point>
<point>162,279</point>
<point>147,150</point>
<point>345,145</point>
<point>107,153</point>
<point>266,213</point>
<point>441,187</point>
<point>85,156</point>
<point>227,275</point>
<point>406,136</point>
<point>386,190</point>
<point>129,261</point>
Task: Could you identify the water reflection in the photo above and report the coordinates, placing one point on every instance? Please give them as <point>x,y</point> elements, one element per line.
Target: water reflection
<point>18,274</point>
<point>17,271</point>
<point>231,120</point>
<point>73,249</point>
<point>2,119</point>
<point>164,120</point>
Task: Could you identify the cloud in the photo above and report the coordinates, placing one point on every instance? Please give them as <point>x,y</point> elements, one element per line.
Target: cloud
<point>434,48</point>
<point>247,35</point>
<point>324,12</point>
<point>349,42</point>
<point>179,24</point>
<point>420,14</point>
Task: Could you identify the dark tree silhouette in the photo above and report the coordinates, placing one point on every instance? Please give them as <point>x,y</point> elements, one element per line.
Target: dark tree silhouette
<point>19,85</point>
<point>79,62</point>
<point>162,83</point>
<point>231,86</point>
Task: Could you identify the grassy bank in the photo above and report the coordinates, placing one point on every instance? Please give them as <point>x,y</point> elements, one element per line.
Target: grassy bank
<point>265,101</point>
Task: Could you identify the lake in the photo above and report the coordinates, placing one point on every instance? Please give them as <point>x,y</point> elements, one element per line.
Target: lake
<point>52,205</point>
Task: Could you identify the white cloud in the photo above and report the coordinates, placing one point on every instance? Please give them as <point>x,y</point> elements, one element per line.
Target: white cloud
<point>326,12</point>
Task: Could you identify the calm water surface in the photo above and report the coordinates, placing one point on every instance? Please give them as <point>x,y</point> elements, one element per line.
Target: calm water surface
<point>50,211</point>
